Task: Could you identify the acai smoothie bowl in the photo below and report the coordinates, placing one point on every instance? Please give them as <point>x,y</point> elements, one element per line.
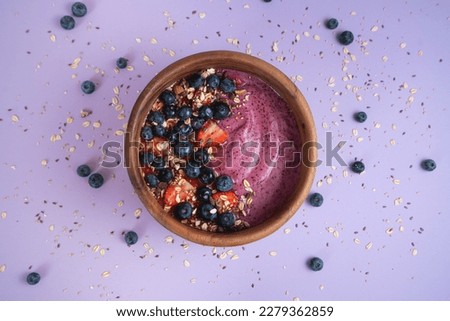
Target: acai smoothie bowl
<point>220,148</point>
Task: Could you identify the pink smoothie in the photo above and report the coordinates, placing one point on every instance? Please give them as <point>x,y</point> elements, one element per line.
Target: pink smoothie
<point>271,166</point>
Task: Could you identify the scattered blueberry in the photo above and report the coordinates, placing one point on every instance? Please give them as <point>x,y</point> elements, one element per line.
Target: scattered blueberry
<point>151,180</point>
<point>195,80</point>
<point>332,23</point>
<point>221,110</point>
<point>345,38</point>
<point>159,130</point>
<point>358,167</point>
<point>122,63</point>
<point>158,163</point>
<point>182,128</point>
<point>167,98</point>
<point>316,199</point>
<point>197,123</point>
<point>205,112</point>
<point>169,111</point>
<point>96,180</point>
<point>429,165</point>
<point>213,81</point>
<point>79,9</point>
<point>131,238</point>
<point>201,156</point>
<point>227,85</point>
<point>147,133</point>
<point>207,175</point>
<point>360,117</point>
<point>204,193</point>
<point>83,170</point>
<point>155,118</point>
<point>183,149</point>
<point>192,169</point>
<point>184,112</point>
<point>224,183</point>
<point>315,264</point>
<point>67,22</point>
<point>165,175</point>
<point>33,278</point>
<point>88,87</point>
<point>207,211</point>
<point>226,220</point>
<point>183,210</point>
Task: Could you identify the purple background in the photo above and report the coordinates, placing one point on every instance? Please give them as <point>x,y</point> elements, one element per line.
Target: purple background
<point>52,221</point>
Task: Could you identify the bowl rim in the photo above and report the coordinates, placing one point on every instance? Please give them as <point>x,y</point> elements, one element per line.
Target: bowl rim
<point>281,84</point>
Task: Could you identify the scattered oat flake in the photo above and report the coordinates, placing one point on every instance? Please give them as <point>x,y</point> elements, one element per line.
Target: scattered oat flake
<point>138,39</point>
<point>119,132</point>
<point>3,215</point>
<point>153,41</point>
<point>306,34</point>
<point>44,162</point>
<point>356,241</point>
<point>186,263</point>
<point>169,239</point>
<point>287,230</point>
<point>273,253</point>
<point>97,124</point>
<point>15,118</point>
<point>202,15</point>
<point>384,58</point>
<point>336,233</point>
<point>2,268</point>
<point>403,45</point>
<point>374,29</point>
<point>234,257</point>
<point>321,287</point>
<point>138,212</point>
<point>369,245</point>
<point>106,274</point>
<point>275,46</point>
<point>398,201</point>
<point>414,252</point>
<point>316,37</point>
<point>96,248</point>
<point>223,255</point>
<point>389,231</point>
<point>193,280</point>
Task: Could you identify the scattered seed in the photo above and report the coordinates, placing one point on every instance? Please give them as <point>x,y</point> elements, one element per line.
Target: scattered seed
<point>414,252</point>
<point>273,253</point>
<point>398,201</point>
<point>169,239</point>
<point>369,246</point>
<point>3,215</point>
<point>106,274</point>
<point>186,263</point>
<point>137,212</point>
<point>389,231</point>
<point>15,118</point>
<point>356,241</point>
<point>2,268</point>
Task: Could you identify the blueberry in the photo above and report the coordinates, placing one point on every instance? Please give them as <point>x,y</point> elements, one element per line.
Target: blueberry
<point>360,117</point>
<point>428,165</point>
<point>158,163</point>
<point>205,112</point>
<point>345,38</point>
<point>197,123</point>
<point>332,23</point>
<point>182,129</point>
<point>204,193</point>
<point>184,112</point>
<point>165,175</point>
<point>226,220</point>
<point>159,130</point>
<point>33,278</point>
<point>155,118</point>
<point>183,210</point>
<point>67,22</point>
<point>146,159</point>
<point>167,98</point>
<point>151,180</point>
<point>83,170</point>
<point>183,149</point>
<point>172,136</point>
<point>88,87</point>
<point>147,133</point>
<point>207,175</point>
<point>316,199</point>
<point>122,63</point>
<point>224,183</point>
<point>267,0</point>
<point>227,85</point>
<point>79,9</point>
<point>192,169</point>
<point>207,211</point>
<point>96,180</point>
<point>169,111</point>
<point>358,167</point>
<point>201,156</point>
<point>213,81</point>
<point>315,264</point>
<point>221,110</point>
<point>195,80</point>
<point>131,238</point>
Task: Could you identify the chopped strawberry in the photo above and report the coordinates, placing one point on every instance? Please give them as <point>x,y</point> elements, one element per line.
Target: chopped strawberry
<point>211,134</point>
<point>225,200</point>
<point>159,146</point>
<point>178,192</point>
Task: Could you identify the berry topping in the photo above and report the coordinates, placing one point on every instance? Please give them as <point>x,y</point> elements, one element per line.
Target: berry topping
<point>227,85</point>
<point>151,180</point>
<point>221,111</point>
<point>192,169</point>
<point>195,81</point>
<point>225,200</point>
<point>167,98</point>
<point>358,167</point>
<point>207,175</point>
<point>96,180</point>
<point>159,131</point>
<point>33,278</point>
<point>332,23</point>
<point>88,87</point>
<point>211,134</point>
<point>207,211</point>
<point>345,38</point>
<point>226,220</point>
<point>183,149</point>
<point>146,159</point>
<point>205,112</point>
<point>165,175</point>
<point>169,111</point>
<point>316,199</point>
<point>122,63</point>
<point>147,133</point>
<point>184,113</point>
<point>315,264</point>
<point>360,117</point>
<point>155,118</point>
<point>180,192</point>
<point>183,210</point>
<point>182,128</point>
<point>213,81</point>
<point>79,9</point>
<point>201,156</point>
<point>197,123</point>
<point>67,22</point>
<point>224,183</point>
<point>158,163</point>
<point>428,165</point>
<point>204,193</point>
<point>83,170</point>
<point>131,238</point>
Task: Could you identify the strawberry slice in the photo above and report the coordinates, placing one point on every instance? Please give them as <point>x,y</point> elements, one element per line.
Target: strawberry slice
<point>225,200</point>
<point>211,134</point>
<point>178,192</point>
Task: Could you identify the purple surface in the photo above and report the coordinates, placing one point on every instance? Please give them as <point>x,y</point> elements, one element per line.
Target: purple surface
<point>53,223</point>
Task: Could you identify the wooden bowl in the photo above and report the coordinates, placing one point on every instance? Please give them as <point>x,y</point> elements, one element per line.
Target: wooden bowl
<point>281,85</point>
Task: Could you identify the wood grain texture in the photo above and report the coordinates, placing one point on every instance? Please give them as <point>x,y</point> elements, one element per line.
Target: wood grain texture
<point>280,84</point>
